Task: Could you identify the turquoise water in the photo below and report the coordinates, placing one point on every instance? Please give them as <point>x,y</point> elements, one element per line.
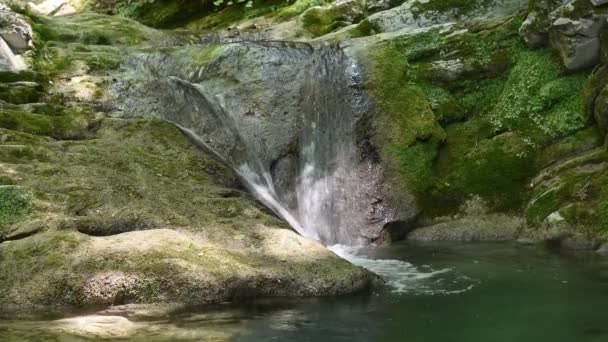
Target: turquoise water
<point>448,292</point>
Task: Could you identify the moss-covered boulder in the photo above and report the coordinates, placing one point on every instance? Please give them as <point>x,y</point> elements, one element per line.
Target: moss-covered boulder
<point>162,265</point>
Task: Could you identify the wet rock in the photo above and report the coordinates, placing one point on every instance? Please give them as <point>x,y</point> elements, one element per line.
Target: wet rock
<point>447,70</point>
<point>372,6</point>
<point>254,104</point>
<point>8,60</point>
<point>15,30</point>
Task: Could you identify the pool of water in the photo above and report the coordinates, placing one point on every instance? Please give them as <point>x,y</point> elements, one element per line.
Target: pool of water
<point>438,292</point>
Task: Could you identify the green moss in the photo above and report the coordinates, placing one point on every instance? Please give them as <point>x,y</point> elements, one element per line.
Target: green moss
<point>98,41</point>
<point>575,187</point>
<point>406,127</point>
<point>15,204</point>
<point>162,13</point>
<point>298,7</point>
<point>460,7</point>
<point>536,91</point>
<point>66,125</point>
<point>319,21</point>
<point>229,15</point>
<point>580,142</point>
<point>19,93</point>
<point>446,108</point>
<point>197,55</point>
<point>363,29</point>
<point>542,206</point>
<point>473,163</point>
<point>91,29</point>
<point>27,76</point>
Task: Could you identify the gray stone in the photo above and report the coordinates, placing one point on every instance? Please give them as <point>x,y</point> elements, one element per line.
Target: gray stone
<point>410,15</point>
<point>15,30</point>
<point>535,29</point>
<point>470,229</point>
<point>575,35</point>
<point>255,102</point>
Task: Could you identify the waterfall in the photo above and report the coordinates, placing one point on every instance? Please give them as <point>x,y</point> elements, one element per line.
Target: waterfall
<point>322,196</point>
<point>286,117</point>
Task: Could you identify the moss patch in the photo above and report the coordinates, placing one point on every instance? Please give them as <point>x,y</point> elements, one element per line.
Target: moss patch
<point>15,204</point>
<point>298,7</point>
<point>499,110</point>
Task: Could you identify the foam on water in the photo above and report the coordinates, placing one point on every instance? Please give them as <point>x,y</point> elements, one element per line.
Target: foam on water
<point>405,278</point>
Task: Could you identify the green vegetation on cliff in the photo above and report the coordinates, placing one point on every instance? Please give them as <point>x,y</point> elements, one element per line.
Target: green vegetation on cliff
<point>500,106</point>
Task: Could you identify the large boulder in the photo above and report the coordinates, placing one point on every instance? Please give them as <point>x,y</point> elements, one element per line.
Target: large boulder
<point>573,29</point>
<point>162,265</point>
<point>272,112</point>
<point>575,33</point>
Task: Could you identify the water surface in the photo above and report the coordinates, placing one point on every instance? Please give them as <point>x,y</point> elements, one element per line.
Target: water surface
<point>439,292</point>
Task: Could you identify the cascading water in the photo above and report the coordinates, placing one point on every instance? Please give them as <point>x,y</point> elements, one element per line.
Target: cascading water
<point>299,157</point>
<point>322,198</point>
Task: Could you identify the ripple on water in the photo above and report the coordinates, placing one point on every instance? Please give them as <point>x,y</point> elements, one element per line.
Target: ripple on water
<point>405,278</point>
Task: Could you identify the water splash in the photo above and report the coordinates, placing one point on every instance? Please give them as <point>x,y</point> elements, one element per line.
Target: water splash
<point>405,278</point>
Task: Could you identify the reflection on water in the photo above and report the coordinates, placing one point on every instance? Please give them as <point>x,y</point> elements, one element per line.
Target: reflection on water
<point>443,293</point>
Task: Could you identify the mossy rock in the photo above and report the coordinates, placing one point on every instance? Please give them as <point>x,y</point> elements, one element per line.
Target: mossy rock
<point>574,187</point>
<point>319,21</point>
<point>68,124</point>
<point>92,29</point>
<point>160,266</point>
<point>20,92</point>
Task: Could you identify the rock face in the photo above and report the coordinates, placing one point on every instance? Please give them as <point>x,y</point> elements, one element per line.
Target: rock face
<point>535,29</point>
<point>575,37</point>
<point>471,229</point>
<point>573,29</point>
<point>414,14</point>
<point>270,110</point>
